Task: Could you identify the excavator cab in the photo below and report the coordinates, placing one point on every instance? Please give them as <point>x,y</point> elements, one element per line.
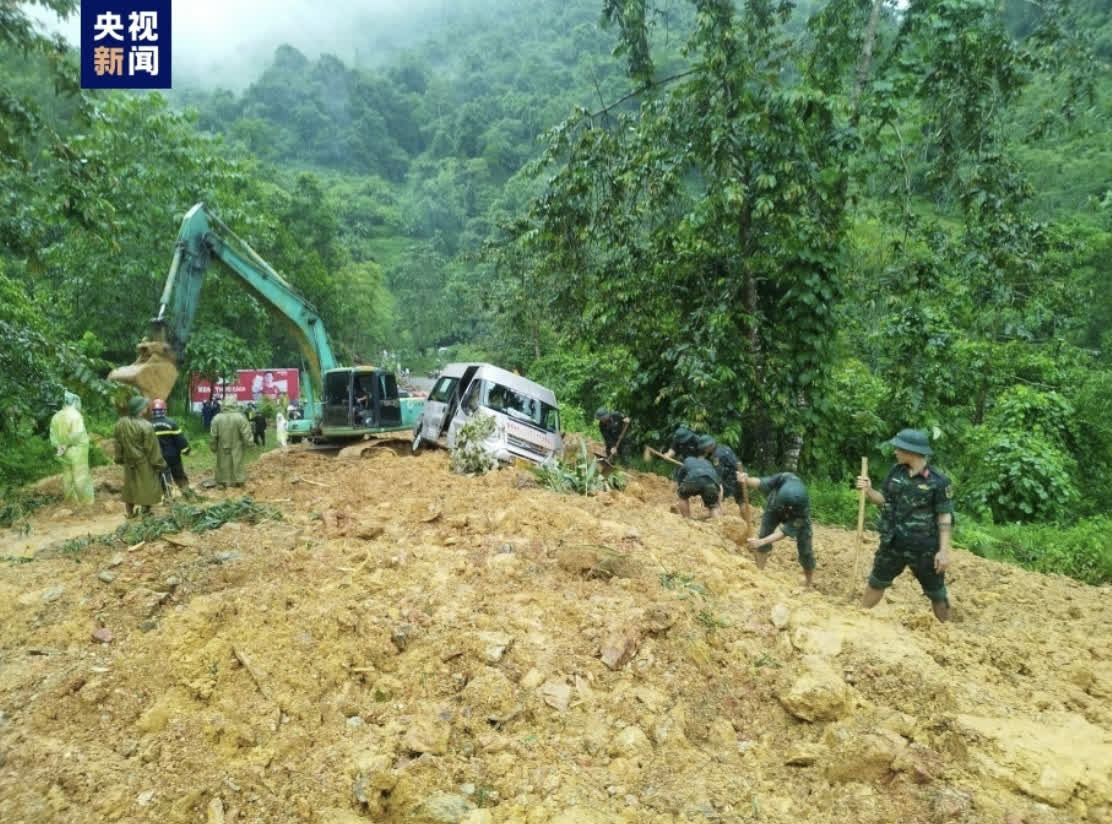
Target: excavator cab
<point>360,398</point>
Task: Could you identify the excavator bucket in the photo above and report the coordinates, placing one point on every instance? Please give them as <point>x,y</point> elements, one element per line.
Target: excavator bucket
<point>154,371</point>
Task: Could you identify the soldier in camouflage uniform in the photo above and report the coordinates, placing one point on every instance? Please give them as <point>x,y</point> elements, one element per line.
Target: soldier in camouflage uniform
<point>698,476</point>
<point>914,524</point>
<point>787,512</point>
<point>685,444</point>
<point>727,464</point>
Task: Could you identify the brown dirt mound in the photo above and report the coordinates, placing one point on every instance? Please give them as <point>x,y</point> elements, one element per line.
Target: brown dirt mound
<point>410,645</point>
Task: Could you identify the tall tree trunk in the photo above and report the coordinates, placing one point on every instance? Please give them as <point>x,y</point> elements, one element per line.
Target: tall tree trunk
<point>866,56</point>
<point>795,440</point>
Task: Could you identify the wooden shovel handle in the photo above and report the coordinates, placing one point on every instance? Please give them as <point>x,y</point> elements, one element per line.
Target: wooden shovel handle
<point>860,529</point>
<point>662,456</point>
<point>621,435</point>
<point>745,497</point>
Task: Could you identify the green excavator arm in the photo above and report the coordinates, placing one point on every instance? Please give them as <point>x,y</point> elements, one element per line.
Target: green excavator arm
<point>202,238</point>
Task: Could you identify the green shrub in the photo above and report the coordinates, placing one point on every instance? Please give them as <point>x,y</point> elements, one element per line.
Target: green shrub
<point>1082,551</point>
<point>1017,465</point>
<point>582,476</point>
<point>470,455</point>
<point>835,504</point>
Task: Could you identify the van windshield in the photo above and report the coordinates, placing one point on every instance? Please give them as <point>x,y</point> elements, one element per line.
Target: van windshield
<point>519,407</point>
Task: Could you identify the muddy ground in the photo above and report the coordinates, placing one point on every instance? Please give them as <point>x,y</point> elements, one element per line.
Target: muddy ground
<point>409,645</point>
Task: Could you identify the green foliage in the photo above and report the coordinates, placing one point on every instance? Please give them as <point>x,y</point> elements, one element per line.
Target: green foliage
<point>1082,550</point>
<point>1017,466</point>
<point>683,582</point>
<point>17,507</point>
<point>583,476</point>
<point>835,503</point>
<point>584,378</point>
<point>470,455</point>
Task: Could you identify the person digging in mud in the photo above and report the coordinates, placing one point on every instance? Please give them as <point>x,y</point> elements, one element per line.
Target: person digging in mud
<point>915,521</point>
<point>697,476</point>
<point>610,426</point>
<point>727,464</point>
<point>231,435</point>
<point>71,447</point>
<point>174,445</point>
<point>137,451</point>
<point>787,513</point>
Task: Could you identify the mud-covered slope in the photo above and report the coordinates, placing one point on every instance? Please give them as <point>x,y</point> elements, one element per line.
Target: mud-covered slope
<point>409,645</point>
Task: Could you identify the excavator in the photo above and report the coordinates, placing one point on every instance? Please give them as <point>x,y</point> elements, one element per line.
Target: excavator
<point>340,403</point>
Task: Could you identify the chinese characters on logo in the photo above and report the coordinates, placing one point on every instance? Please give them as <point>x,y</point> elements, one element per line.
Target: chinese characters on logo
<point>125,44</point>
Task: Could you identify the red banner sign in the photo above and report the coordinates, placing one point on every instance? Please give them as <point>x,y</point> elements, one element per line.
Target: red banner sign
<point>251,385</point>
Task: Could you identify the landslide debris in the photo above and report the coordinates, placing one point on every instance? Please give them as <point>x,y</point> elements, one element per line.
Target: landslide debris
<point>409,645</point>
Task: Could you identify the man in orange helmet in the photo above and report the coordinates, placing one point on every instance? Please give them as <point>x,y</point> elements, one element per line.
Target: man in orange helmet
<point>173,444</point>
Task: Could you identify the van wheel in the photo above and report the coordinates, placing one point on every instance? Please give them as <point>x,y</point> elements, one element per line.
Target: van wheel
<point>416,445</point>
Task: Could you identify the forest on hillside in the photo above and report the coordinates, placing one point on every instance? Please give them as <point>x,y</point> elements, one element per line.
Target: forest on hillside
<point>800,226</point>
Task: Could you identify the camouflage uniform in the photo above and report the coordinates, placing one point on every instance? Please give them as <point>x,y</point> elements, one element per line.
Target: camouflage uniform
<point>685,444</point>
<point>727,464</point>
<point>789,507</point>
<point>908,526</point>
<point>698,476</point>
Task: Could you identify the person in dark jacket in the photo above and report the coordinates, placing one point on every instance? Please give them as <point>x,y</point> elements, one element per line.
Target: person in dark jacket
<point>173,444</point>
<point>258,425</point>
<point>611,425</point>
<point>209,410</point>
<point>787,513</point>
<point>697,476</point>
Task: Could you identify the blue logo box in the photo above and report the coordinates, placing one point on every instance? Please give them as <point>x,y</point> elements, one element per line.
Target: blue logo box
<point>125,44</point>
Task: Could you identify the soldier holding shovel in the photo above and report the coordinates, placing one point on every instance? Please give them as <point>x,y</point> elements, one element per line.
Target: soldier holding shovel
<point>915,523</point>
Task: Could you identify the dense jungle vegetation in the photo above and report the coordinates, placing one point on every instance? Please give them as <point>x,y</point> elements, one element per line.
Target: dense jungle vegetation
<point>798,226</point>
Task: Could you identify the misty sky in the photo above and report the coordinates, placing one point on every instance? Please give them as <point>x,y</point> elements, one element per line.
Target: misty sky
<point>226,42</point>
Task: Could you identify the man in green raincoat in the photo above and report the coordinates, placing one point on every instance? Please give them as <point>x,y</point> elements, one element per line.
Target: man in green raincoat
<point>138,451</point>
<point>230,434</point>
<point>71,445</point>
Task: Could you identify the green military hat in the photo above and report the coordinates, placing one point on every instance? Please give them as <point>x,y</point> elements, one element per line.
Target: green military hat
<point>136,406</point>
<point>600,413</point>
<point>705,442</point>
<point>912,440</point>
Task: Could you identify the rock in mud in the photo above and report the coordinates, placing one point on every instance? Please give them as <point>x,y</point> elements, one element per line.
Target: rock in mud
<point>445,808</point>
<point>619,646</point>
<point>818,694</point>
<point>427,734</point>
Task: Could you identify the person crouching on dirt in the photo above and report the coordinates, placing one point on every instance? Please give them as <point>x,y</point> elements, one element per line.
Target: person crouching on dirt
<point>611,425</point>
<point>137,451</point>
<point>787,513</point>
<point>697,476</point>
<point>230,435</point>
<point>174,444</point>
<point>915,521</point>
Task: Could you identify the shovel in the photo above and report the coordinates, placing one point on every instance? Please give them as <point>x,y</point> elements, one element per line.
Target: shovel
<point>649,451</point>
<point>860,531</point>
<point>745,497</point>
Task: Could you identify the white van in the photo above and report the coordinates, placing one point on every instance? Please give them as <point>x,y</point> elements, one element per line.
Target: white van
<point>526,414</point>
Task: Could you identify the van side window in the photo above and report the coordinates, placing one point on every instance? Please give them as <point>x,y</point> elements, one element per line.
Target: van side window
<point>471,400</point>
<point>443,390</point>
